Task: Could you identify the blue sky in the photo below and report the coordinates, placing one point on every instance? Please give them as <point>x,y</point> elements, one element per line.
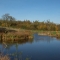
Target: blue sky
<point>32,9</point>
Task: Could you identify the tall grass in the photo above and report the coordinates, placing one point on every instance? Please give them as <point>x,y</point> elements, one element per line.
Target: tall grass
<point>4,57</point>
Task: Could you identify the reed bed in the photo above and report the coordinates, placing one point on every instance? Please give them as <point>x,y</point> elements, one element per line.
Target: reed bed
<point>13,36</point>
<point>50,33</point>
<point>4,57</point>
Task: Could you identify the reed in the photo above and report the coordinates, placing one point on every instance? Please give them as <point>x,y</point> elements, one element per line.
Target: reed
<point>51,33</point>
<point>13,36</point>
<point>4,57</point>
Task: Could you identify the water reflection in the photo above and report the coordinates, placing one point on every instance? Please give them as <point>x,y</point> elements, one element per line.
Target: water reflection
<point>45,38</point>
<point>40,48</point>
<point>8,47</point>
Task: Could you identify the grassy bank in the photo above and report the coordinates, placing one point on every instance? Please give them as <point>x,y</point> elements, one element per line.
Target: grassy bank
<point>50,33</point>
<point>10,34</point>
<point>15,34</point>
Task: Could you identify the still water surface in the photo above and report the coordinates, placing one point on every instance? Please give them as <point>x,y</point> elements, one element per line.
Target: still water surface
<point>41,48</point>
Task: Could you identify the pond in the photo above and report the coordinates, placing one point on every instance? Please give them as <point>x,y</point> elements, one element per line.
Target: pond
<point>40,48</point>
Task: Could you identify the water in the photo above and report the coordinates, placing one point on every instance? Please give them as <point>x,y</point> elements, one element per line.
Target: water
<point>40,48</point>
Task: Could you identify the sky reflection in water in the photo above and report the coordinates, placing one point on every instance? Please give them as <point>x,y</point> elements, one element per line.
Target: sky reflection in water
<point>41,48</point>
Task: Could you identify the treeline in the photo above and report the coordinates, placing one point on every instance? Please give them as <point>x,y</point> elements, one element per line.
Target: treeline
<point>9,21</point>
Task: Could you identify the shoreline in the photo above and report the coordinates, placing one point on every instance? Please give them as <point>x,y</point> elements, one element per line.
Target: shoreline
<point>55,35</point>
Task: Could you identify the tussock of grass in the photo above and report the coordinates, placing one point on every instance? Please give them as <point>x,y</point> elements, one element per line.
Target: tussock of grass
<point>4,57</point>
<point>15,36</point>
<point>50,33</point>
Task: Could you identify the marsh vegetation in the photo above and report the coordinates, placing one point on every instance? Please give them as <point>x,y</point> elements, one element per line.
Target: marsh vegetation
<point>26,36</point>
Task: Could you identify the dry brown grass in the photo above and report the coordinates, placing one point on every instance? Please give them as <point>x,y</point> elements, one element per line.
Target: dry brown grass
<point>4,57</point>
<point>16,36</point>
